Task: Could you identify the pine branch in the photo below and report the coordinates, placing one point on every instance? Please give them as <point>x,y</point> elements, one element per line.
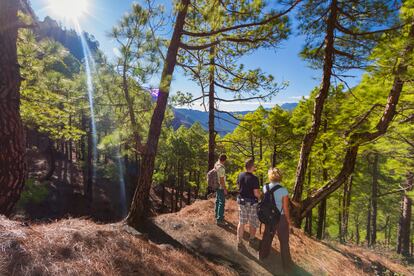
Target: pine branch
<point>241,26</point>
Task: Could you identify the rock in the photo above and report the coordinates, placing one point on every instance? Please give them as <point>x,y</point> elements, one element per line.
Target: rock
<point>177,226</point>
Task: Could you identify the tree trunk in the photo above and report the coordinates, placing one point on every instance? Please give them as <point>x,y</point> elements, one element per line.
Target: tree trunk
<point>181,174</point>
<point>374,200</point>
<point>89,166</point>
<point>357,235</point>
<point>345,207</point>
<point>274,156</point>
<point>340,218</point>
<point>12,138</point>
<point>369,220</point>
<point>188,193</point>
<point>198,185</point>
<point>51,160</point>
<point>321,220</point>
<point>404,226</point>
<point>211,113</point>
<point>140,204</point>
<point>308,221</point>
<point>403,246</point>
<point>163,195</point>
<point>310,137</point>
<point>82,140</point>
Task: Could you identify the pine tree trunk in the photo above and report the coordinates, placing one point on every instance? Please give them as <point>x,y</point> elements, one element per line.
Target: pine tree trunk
<point>322,206</point>
<point>163,195</point>
<point>308,224</point>
<point>211,113</point>
<point>274,156</point>
<point>12,138</point>
<point>346,204</point>
<point>310,136</point>
<point>404,227</point>
<point>321,220</point>
<point>198,185</point>
<point>357,235</point>
<point>308,221</point>
<point>368,232</point>
<point>181,173</point>
<point>89,166</point>
<point>140,204</point>
<point>340,218</point>
<point>51,160</point>
<point>374,200</point>
<point>82,140</point>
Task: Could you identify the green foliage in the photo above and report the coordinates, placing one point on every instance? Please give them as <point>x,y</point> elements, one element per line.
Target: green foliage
<point>33,193</point>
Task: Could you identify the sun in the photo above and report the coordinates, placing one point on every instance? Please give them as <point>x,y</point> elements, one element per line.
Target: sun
<point>69,9</point>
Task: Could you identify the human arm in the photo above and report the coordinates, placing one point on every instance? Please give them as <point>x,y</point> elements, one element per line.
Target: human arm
<point>256,193</point>
<point>286,211</point>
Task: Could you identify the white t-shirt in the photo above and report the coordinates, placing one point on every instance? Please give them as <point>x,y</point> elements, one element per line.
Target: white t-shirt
<point>221,172</point>
<point>278,195</point>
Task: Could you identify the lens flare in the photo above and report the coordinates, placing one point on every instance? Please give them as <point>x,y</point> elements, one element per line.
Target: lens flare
<point>69,9</point>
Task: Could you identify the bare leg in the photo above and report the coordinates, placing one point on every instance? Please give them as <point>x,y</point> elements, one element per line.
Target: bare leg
<point>252,231</point>
<point>240,232</point>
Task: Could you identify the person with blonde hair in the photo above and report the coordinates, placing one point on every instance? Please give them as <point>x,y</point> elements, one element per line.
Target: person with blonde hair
<point>281,199</point>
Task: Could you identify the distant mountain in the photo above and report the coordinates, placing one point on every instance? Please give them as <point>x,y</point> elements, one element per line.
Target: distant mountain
<point>50,28</point>
<point>225,123</point>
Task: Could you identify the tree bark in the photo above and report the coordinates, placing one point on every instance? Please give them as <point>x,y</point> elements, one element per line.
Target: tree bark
<point>88,188</point>
<point>211,113</point>
<point>308,221</point>
<point>274,156</point>
<point>374,200</point>
<point>140,204</point>
<point>321,220</point>
<point>346,204</point>
<point>404,226</point>
<point>310,137</point>
<point>12,138</point>
<point>51,160</point>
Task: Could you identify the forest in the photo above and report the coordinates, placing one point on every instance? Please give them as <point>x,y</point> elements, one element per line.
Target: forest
<point>86,136</point>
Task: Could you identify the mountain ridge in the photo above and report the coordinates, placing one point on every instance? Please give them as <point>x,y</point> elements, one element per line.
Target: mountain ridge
<point>225,121</point>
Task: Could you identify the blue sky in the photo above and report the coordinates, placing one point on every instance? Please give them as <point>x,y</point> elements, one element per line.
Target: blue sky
<point>284,63</point>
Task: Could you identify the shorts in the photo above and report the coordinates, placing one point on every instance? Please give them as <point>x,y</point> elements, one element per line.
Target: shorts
<point>248,214</point>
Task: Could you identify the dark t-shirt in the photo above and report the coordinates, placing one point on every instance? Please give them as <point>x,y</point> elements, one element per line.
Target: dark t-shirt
<point>247,183</point>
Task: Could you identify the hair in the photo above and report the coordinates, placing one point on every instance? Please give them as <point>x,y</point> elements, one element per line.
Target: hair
<point>275,175</point>
<point>223,157</point>
<point>249,163</point>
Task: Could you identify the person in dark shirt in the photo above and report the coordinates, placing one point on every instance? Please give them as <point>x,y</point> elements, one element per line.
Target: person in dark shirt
<point>249,194</point>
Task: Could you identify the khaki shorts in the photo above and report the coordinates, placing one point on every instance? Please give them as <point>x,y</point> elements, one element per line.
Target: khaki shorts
<point>248,214</point>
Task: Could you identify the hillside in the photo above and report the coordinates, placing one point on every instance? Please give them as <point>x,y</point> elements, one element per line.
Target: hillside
<point>80,247</point>
<point>184,243</point>
<point>198,233</point>
<point>225,123</point>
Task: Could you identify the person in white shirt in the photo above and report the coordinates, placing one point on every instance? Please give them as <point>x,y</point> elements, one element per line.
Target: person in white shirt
<point>281,197</point>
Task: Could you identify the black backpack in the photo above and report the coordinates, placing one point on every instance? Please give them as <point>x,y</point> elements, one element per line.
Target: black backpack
<point>267,211</point>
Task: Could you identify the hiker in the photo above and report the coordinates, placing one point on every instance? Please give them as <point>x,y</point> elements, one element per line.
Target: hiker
<point>249,193</point>
<point>281,199</point>
<point>221,191</point>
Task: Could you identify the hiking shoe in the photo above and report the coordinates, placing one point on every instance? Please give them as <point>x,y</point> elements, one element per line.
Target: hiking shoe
<point>254,243</point>
<point>221,223</point>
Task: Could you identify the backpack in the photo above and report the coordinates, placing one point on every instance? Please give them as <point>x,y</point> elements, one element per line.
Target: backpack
<point>267,211</point>
<point>213,180</point>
